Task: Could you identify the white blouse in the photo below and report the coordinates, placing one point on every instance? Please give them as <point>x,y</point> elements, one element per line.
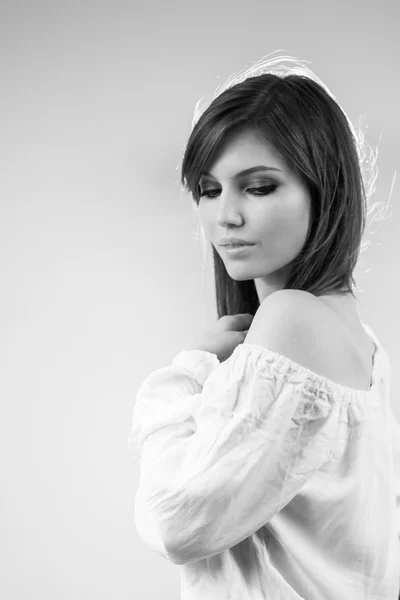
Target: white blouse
<point>266,481</point>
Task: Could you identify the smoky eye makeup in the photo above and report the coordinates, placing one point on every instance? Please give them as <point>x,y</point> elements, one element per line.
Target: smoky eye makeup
<point>209,185</point>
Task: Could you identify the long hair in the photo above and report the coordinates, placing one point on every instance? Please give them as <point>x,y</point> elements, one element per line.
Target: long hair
<point>292,109</point>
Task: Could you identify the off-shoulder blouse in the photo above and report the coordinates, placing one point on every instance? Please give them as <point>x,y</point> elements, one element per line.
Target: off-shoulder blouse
<point>264,480</point>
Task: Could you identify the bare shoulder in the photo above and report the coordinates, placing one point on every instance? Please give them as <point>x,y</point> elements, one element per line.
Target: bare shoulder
<point>295,305</point>
<point>298,326</point>
<point>287,299</point>
<point>285,322</point>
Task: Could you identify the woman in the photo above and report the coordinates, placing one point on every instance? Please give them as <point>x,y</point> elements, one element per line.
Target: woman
<point>269,452</point>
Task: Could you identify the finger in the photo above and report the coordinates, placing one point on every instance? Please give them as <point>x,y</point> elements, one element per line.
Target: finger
<point>245,319</point>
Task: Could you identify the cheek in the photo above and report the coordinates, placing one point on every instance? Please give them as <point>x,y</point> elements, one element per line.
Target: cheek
<point>285,228</point>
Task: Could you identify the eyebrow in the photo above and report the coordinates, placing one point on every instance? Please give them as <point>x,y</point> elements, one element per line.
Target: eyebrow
<point>246,171</point>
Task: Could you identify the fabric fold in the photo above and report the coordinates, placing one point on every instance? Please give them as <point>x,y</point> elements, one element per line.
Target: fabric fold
<point>261,478</point>
<point>257,424</point>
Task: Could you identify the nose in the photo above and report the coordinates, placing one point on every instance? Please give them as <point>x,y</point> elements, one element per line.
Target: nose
<point>228,211</point>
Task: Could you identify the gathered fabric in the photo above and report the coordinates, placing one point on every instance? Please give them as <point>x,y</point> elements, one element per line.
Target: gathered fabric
<point>264,480</point>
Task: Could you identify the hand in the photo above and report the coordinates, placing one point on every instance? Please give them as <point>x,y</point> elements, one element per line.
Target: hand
<point>223,337</point>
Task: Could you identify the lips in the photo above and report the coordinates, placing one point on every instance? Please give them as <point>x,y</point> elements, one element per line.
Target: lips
<point>235,242</point>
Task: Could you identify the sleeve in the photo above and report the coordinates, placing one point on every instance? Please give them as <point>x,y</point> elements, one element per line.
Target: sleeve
<point>395,431</point>
<point>219,461</point>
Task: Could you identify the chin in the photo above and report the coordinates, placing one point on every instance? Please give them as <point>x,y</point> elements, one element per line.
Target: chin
<point>244,275</point>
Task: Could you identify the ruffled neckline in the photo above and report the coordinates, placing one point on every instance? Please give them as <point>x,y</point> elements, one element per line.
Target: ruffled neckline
<point>284,363</point>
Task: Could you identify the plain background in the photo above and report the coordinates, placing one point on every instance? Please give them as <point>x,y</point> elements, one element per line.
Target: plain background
<point>102,277</point>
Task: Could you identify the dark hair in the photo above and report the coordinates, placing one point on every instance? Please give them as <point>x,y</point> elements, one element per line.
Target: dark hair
<point>307,126</point>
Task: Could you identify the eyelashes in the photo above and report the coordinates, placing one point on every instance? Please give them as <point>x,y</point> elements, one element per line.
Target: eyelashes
<point>263,191</point>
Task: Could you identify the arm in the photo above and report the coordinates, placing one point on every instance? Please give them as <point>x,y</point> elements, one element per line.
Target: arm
<point>255,437</point>
<point>162,421</point>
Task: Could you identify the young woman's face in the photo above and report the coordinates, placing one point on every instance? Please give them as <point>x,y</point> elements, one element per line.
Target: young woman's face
<point>274,219</point>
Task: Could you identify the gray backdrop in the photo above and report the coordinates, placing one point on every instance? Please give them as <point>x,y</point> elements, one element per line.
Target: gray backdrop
<point>101,272</point>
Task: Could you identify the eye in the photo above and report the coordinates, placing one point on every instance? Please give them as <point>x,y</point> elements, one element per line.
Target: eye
<point>264,191</point>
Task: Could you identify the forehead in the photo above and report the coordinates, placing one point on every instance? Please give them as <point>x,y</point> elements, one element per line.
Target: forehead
<point>243,149</point>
